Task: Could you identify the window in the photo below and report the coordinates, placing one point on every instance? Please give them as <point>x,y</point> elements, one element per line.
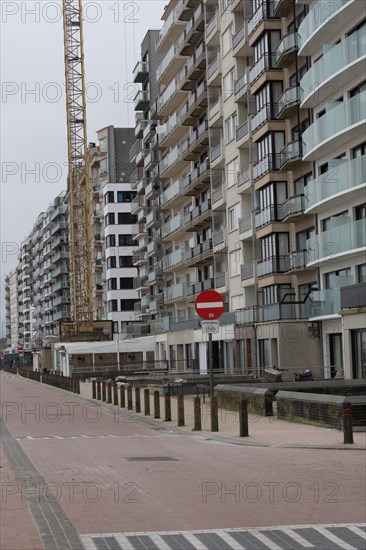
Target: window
<point>302,237</point>
<point>125,261</point>
<point>128,305</point>
<point>233,215</point>
<point>110,219</point>
<point>361,273</point>
<point>335,221</point>
<point>237,302</point>
<point>295,78</point>
<point>126,218</point>
<point>103,166</point>
<point>358,89</point>
<point>111,262</point>
<point>301,183</point>
<point>103,145</point>
<point>126,283</point>
<point>112,305</point>
<point>264,353</point>
<point>227,39</point>
<point>232,173</point>
<point>235,263</point>
<point>125,196</point>
<point>335,279</point>
<point>359,150</point>
<point>111,241</point>
<point>360,212</point>
<point>275,244</point>
<point>112,283</point>
<point>125,240</point>
<point>229,80</point>
<point>230,128</point>
<point>109,197</point>
<point>115,327</point>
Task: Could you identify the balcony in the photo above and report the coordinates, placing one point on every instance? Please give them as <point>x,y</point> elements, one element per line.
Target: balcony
<point>245,224</point>
<point>171,163</point>
<point>140,127</point>
<point>171,62</point>
<point>212,26</point>
<point>152,190</point>
<point>265,114</point>
<point>138,230</point>
<point>172,226</point>
<point>141,71</point>
<point>192,31</point>
<point>240,44</point>
<point>296,260</point>
<point>217,194</point>
<point>271,214</point>
<point>270,266</point>
<point>241,88</point>
<point>283,7</point>
<point>214,71</point>
<point>215,152</point>
<point>289,102</point>
<point>245,176</point>
<point>343,62</point>
<point>199,253</point>
<point>341,123</point>
<point>169,32</point>
<point>139,258</point>
<point>173,259</point>
<point>152,158</point>
<point>220,280</point>
<point>343,178</point>
<point>171,193</point>
<point>325,20</point>
<point>291,155</point>
<point>140,285</point>
<point>325,303</point>
<point>196,288</point>
<point>197,179</point>
<point>269,163</point>
<point>175,292</point>
<point>215,114</point>
<point>142,100</point>
<point>266,63</point>
<point>242,132</point>
<point>198,216</point>
<point>193,69</point>
<point>219,237</point>
<point>294,206</point>
<point>261,314</point>
<point>287,50</point>
<point>345,240</point>
<point>264,12</point>
<point>161,325</point>
<point>246,272</point>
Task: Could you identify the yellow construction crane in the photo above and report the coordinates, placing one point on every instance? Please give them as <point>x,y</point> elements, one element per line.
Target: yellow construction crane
<point>78,172</point>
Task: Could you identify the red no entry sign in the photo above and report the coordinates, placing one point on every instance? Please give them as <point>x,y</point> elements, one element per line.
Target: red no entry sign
<point>209,305</point>
<point>20,352</point>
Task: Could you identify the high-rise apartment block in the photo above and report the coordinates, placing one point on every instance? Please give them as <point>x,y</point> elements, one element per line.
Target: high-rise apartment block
<point>251,180</point>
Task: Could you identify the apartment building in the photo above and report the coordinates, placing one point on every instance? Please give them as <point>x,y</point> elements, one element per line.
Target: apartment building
<point>11,311</point>
<point>247,183</point>
<point>111,197</point>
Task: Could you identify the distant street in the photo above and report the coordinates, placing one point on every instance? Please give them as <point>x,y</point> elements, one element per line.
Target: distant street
<point>75,473</point>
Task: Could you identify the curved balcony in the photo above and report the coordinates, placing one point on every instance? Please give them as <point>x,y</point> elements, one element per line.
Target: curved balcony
<point>333,187</point>
<point>287,50</point>
<point>267,62</point>
<point>341,63</point>
<point>342,122</point>
<point>289,102</point>
<point>265,114</point>
<point>291,155</point>
<point>325,20</point>
<point>346,239</point>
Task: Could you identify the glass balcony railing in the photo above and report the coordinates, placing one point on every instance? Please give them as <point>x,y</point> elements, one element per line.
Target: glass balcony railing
<point>291,96</point>
<point>338,118</point>
<point>173,191</point>
<point>266,62</point>
<point>325,302</point>
<point>160,325</point>
<point>320,13</point>
<point>265,11</point>
<point>271,214</point>
<point>342,176</point>
<point>175,292</point>
<point>276,264</point>
<point>172,225</point>
<point>267,164</point>
<point>335,59</point>
<point>293,205</point>
<point>345,237</point>
<point>266,113</point>
<point>173,258</point>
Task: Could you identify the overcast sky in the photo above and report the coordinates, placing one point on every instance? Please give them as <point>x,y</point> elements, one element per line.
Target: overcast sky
<point>33,116</point>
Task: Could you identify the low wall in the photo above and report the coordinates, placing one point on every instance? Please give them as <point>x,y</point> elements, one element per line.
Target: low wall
<point>260,399</point>
<point>320,410</point>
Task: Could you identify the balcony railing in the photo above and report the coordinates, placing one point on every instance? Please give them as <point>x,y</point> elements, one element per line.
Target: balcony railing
<point>342,176</point>
<point>172,225</point>
<point>241,131</point>
<point>338,118</point>
<point>344,238</point>
<point>245,224</point>
<point>266,113</point>
<point>276,264</point>
<point>219,237</point>
<point>289,98</point>
<point>288,44</point>
<point>238,37</point>
<point>215,152</point>
<point>175,292</point>
<point>266,62</point>
<point>265,11</point>
<point>296,260</point>
<point>319,14</point>
<point>294,205</point>
<point>267,164</point>
<point>246,272</point>
<point>270,214</point>
<point>220,280</point>
<point>292,152</point>
<point>325,302</point>
<point>173,191</point>
<point>173,259</point>
<point>335,59</point>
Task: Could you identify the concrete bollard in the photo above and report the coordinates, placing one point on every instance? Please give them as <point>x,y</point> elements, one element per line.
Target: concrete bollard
<point>103,392</point>
<point>99,390</point>
<point>197,414</point>
<point>214,415</point>
<point>109,392</point>
<point>156,404</point>
<point>129,398</point>
<point>147,402</point>
<point>347,423</point>
<point>94,389</point>
<point>122,391</point>
<point>243,418</point>
<point>137,400</point>
<point>180,406</point>
<point>115,394</point>
<point>168,408</point>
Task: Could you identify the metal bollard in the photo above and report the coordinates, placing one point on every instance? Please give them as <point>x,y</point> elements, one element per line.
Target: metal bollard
<point>115,394</point>
<point>78,386</point>
<point>122,390</point>
<point>197,414</point>
<point>214,415</point>
<point>180,405</point>
<point>147,401</point>
<point>99,391</point>
<point>94,389</point>
<point>156,404</point>
<point>137,400</point>
<point>243,418</point>
<point>103,391</point>
<point>347,423</point>
<point>109,392</point>
<point>168,407</point>
<point>129,398</point>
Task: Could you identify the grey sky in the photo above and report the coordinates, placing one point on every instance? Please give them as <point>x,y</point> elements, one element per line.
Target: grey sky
<point>33,125</point>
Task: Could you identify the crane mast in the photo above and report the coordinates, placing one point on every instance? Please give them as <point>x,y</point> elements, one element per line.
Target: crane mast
<point>78,169</point>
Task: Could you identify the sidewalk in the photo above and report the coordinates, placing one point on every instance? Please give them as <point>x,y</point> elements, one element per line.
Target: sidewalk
<point>263,431</point>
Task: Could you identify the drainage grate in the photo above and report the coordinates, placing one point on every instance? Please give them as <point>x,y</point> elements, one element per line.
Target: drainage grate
<point>151,458</point>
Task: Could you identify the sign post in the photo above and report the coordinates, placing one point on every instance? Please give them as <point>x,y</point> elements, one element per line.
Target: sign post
<point>209,305</point>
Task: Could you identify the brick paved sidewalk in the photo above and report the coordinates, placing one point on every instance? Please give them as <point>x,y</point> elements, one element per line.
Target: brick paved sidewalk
<point>262,430</point>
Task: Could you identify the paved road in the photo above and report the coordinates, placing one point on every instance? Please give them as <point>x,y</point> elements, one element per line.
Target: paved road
<point>76,474</point>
